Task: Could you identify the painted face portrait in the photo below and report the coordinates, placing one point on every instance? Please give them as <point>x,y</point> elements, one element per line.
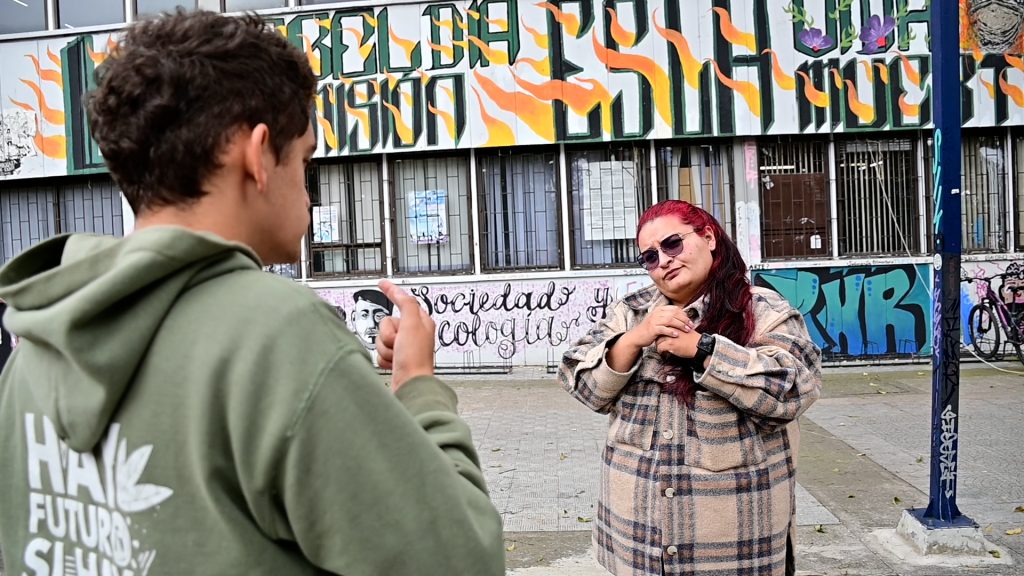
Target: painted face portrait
<point>370,309</point>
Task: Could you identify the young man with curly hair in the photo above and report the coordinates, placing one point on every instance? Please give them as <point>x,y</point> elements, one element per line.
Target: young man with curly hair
<point>173,409</point>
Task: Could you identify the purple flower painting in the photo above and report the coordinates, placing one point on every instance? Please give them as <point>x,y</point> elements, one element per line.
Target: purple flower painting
<point>873,35</point>
<point>816,40</point>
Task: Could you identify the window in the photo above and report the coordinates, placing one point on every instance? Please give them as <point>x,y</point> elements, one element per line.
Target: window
<point>983,184</point>
<point>22,16</point>
<point>1018,197</point>
<point>700,175</point>
<point>346,229</point>
<point>240,5</point>
<point>31,214</point>
<point>156,7</point>
<point>76,14</point>
<point>793,183</point>
<point>432,226</point>
<point>878,197</point>
<point>610,188</point>
<point>519,209</point>
<point>312,2</point>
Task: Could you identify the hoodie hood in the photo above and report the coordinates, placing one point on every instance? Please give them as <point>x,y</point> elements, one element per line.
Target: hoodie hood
<point>90,306</point>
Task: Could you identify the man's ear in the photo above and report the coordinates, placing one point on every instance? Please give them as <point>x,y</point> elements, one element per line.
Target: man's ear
<point>257,155</point>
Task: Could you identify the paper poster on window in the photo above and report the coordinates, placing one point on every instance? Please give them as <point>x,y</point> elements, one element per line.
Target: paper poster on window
<point>325,224</point>
<point>609,200</point>
<point>428,217</point>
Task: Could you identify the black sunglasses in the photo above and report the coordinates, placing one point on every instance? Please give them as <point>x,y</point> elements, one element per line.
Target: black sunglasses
<point>671,246</point>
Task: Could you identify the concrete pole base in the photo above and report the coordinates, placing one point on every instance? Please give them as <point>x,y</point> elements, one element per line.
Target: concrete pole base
<point>962,545</point>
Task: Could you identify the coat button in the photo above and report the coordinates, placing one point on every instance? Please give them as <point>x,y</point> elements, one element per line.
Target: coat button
<point>670,492</point>
<point>667,434</point>
<point>671,550</point>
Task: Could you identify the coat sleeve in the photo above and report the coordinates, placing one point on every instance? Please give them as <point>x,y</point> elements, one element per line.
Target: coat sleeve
<point>382,483</point>
<point>585,374</point>
<point>773,379</point>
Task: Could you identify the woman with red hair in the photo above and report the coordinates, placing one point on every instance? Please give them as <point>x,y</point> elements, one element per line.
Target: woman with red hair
<point>703,377</point>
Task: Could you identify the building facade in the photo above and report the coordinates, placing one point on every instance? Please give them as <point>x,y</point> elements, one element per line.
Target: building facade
<point>494,156</point>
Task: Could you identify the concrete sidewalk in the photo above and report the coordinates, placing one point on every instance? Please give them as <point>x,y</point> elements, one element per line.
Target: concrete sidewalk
<point>864,458</point>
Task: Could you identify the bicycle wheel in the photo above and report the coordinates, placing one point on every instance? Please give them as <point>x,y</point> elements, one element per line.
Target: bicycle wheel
<point>984,329</point>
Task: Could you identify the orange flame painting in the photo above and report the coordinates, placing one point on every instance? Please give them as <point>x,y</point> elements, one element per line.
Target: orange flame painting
<point>51,115</point>
<point>837,78</point>
<point>407,46</point>
<point>868,70</point>
<point>785,81</point>
<point>1014,92</point>
<point>494,55</point>
<point>883,72</point>
<point>813,95</point>
<point>734,35</point>
<point>314,60</point>
<point>622,36</point>
<point>748,90</point>
<point>446,24</point>
<point>363,116</point>
<point>691,66</point>
<point>449,120</point>
<point>647,68</point>
<point>446,51</point>
<point>500,23</point>
<point>865,112</point>
<point>1015,61</point>
<point>541,40</point>
<point>403,129</point>
<point>580,99</point>
<point>909,71</point>
<point>53,57</point>
<point>535,114</point>
<point>542,67</point>
<point>907,108</point>
<point>988,86</point>
<point>329,136</point>
<point>53,76</point>
<point>498,133</point>
<point>571,22</point>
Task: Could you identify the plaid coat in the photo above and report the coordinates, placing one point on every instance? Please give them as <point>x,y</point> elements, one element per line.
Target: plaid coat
<point>707,490</point>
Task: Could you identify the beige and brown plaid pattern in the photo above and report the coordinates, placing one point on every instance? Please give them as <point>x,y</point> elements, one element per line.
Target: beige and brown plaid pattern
<point>705,490</point>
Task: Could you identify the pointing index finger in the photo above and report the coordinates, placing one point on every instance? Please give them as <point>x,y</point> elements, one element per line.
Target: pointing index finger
<point>406,303</point>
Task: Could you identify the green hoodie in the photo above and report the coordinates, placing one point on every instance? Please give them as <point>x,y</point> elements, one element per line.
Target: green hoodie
<point>173,409</point>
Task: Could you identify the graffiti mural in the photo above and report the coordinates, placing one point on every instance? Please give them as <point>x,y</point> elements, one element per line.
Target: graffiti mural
<point>1009,285</point>
<point>481,73</point>
<point>860,310</point>
<point>493,323</point>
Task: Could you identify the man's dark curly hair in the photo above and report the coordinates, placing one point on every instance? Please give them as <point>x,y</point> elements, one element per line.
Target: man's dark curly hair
<point>177,87</point>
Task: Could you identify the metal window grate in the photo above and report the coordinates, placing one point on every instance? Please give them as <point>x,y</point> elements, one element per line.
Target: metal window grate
<point>795,211</point>
<point>983,209</point>
<point>347,224</point>
<point>1018,196</point>
<point>609,189</point>
<point>519,210</point>
<point>878,197</point>
<point>700,175</point>
<point>31,214</point>
<point>432,216</point>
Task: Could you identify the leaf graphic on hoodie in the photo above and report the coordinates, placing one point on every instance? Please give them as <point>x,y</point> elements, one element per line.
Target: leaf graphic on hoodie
<point>132,496</point>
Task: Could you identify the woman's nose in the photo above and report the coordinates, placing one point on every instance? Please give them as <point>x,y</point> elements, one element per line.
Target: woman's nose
<point>663,259</point>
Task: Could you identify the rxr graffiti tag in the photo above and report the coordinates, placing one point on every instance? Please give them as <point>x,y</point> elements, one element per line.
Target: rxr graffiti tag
<point>856,311</point>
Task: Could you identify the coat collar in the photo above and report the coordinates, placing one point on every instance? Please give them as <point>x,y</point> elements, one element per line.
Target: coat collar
<point>645,299</point>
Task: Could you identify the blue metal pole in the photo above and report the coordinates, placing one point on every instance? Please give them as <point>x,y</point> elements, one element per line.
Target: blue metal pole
<point>942,510</point>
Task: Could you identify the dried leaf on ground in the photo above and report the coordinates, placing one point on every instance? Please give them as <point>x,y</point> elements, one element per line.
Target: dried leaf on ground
<point>1014,532</point>
<point>896,500</point>
<point>511,546</point>
<point>1019,509</point>
<point>995,553</point>
<point>819,528</point>
<point>562,456</point>
<point>584,519</point>
<point>851,496</point>
<point>920,459</point>
<point>495,449</point>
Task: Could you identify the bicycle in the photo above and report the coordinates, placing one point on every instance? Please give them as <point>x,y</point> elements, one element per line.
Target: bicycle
<point>991,318</point>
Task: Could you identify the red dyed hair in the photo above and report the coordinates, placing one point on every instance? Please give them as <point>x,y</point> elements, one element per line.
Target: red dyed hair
<point>727,311</point>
